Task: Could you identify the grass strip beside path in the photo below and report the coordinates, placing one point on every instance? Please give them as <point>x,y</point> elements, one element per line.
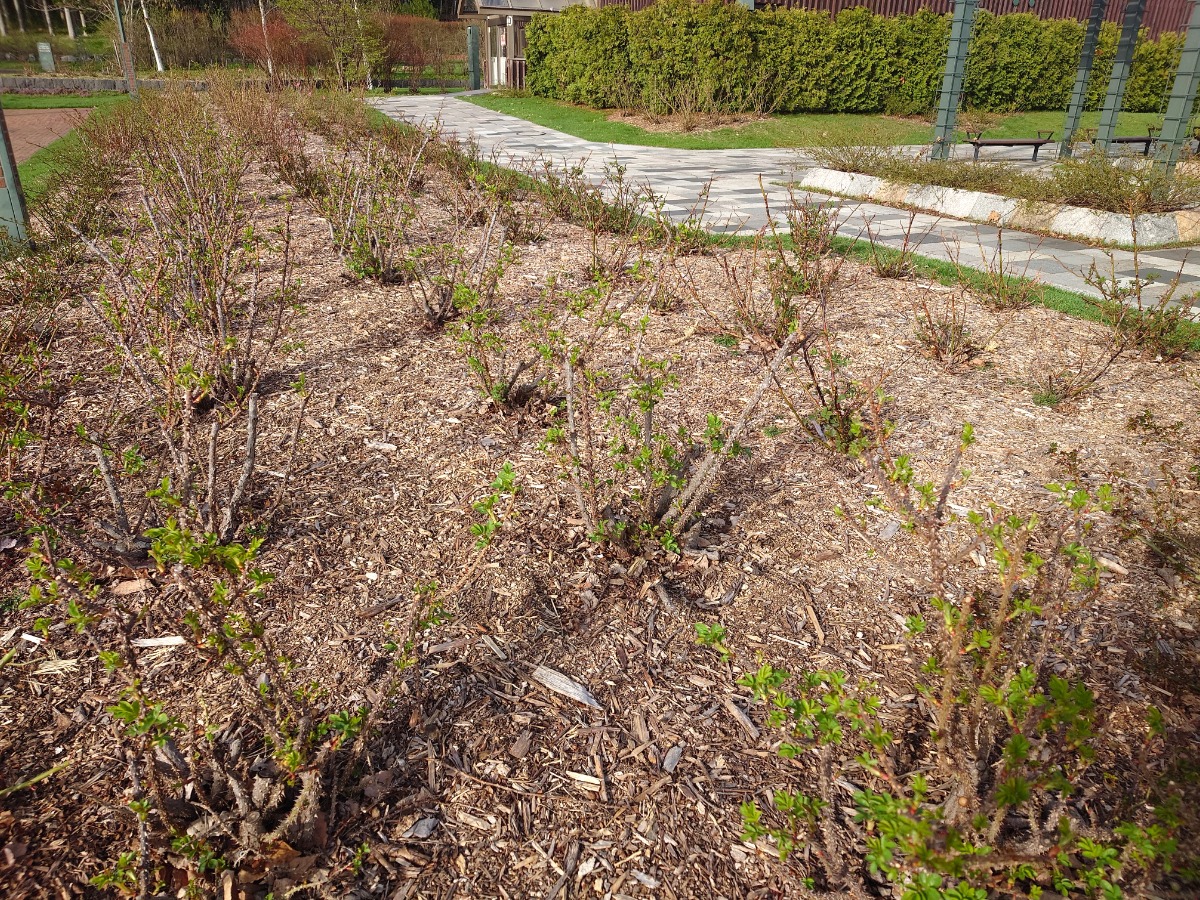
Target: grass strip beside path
<point>800,130</point>
<point>60,101</point>
<point>36,171</point>
<point>777,131</point>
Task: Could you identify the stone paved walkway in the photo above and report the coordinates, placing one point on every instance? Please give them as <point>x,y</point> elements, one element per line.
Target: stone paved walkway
<point>32,129</point>
<point>735,203</point>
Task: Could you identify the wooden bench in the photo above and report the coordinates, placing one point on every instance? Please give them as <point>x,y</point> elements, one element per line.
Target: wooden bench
<point>976,139</point>
<point>1147,142</point>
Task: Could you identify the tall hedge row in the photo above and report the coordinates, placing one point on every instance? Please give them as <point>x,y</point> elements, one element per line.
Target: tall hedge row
<point>722,56</point>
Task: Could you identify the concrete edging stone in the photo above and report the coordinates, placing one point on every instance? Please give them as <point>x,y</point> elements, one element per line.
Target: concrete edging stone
<point>994,209</point>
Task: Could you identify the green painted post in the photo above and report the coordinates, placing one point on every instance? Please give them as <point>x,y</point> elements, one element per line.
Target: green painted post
<point>952,80</point>
<point>1122,65</point>
<point>1183,96</point>
<point>473,74</point>
<point>13,216</point>
<point>1079,94</point>
<point>124,50</point>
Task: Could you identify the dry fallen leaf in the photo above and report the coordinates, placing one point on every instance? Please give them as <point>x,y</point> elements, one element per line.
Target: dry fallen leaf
<point>137,585</point>
<point>561,684</point>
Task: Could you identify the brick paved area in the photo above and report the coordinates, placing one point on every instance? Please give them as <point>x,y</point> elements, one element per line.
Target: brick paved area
<point>32,129</point>
<point>736,199</point>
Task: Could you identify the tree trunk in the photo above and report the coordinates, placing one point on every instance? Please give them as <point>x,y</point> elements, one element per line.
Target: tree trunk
<point>70,25</point>
<point>82,23</point>
<point>158,63</point>
<point>340,68</point>
<point>262,12</point>
<point>20,16</point>
<point>46,13</point>
<point>3,22</point>
<point>362,44</point>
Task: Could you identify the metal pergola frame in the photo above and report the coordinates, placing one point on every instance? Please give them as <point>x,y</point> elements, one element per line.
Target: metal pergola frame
<point>13,217</point>
<point>1175,133</point>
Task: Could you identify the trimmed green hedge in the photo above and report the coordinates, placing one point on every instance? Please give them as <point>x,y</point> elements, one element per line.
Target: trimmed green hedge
<point>686,55</point>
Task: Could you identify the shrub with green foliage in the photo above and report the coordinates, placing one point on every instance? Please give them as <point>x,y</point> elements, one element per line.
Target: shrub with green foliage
<point>678,44</point>
<point>579,55</point>
<point>726,58</point>
<point>917,57</point>
<point>972,798</point>
<point>792,41</point>
<point>1022,62</point>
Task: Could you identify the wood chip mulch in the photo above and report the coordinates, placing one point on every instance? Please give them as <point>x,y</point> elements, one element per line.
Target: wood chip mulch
<point>488,782</point>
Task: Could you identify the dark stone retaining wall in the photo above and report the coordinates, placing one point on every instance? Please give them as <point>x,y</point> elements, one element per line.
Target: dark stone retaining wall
<point>67,84</point>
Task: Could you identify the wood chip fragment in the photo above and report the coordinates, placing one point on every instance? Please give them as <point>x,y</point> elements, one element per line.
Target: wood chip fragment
<point>520,746</point>
<point>567,687</point>
<point>648,880</point>
<point>1112,565</point>
<point>56,667</point>
<point>171,640</point>
<point>422,828</point>
<point>653,789</point>
<point>587,782</point>
<point>495,648</point>
<point>816,623</point>
<point>474,821</point>
<point>672,758</point>
<point>640,731</point>
<point>741,717</point>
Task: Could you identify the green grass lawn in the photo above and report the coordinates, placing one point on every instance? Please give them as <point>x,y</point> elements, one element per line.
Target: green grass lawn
<point>35,171</point>
<point>59,101</point>
<point>1029,124</point>
<point>803,130</point>
<point>95,42</point>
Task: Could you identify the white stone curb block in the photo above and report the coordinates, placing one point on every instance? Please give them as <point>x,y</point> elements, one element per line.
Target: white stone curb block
<point>996,210</point>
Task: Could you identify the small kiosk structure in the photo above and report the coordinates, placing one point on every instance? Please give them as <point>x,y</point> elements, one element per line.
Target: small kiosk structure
<point>502,35</point>
<point>502,24</point>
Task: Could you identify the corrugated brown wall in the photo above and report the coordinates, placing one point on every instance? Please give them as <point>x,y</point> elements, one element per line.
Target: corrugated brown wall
<point>1161,15</point>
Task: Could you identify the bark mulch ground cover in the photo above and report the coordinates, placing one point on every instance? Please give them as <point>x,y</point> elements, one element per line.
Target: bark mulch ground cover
<point>562,732</point>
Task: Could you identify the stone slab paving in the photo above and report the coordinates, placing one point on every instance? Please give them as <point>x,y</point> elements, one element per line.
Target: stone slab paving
<point>738,180</point>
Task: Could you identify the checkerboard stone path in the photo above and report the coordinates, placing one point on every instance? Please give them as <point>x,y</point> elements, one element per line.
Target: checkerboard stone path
<point>737,181</point>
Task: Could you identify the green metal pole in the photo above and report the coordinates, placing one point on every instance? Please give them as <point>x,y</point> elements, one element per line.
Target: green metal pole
<point>1120,73</point>
<point>1183,96</point>
<point>952,80</point>
<point>1091,38</point>
<point>13,215</point>
<point>473,74</point>
<point>124,50</point>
